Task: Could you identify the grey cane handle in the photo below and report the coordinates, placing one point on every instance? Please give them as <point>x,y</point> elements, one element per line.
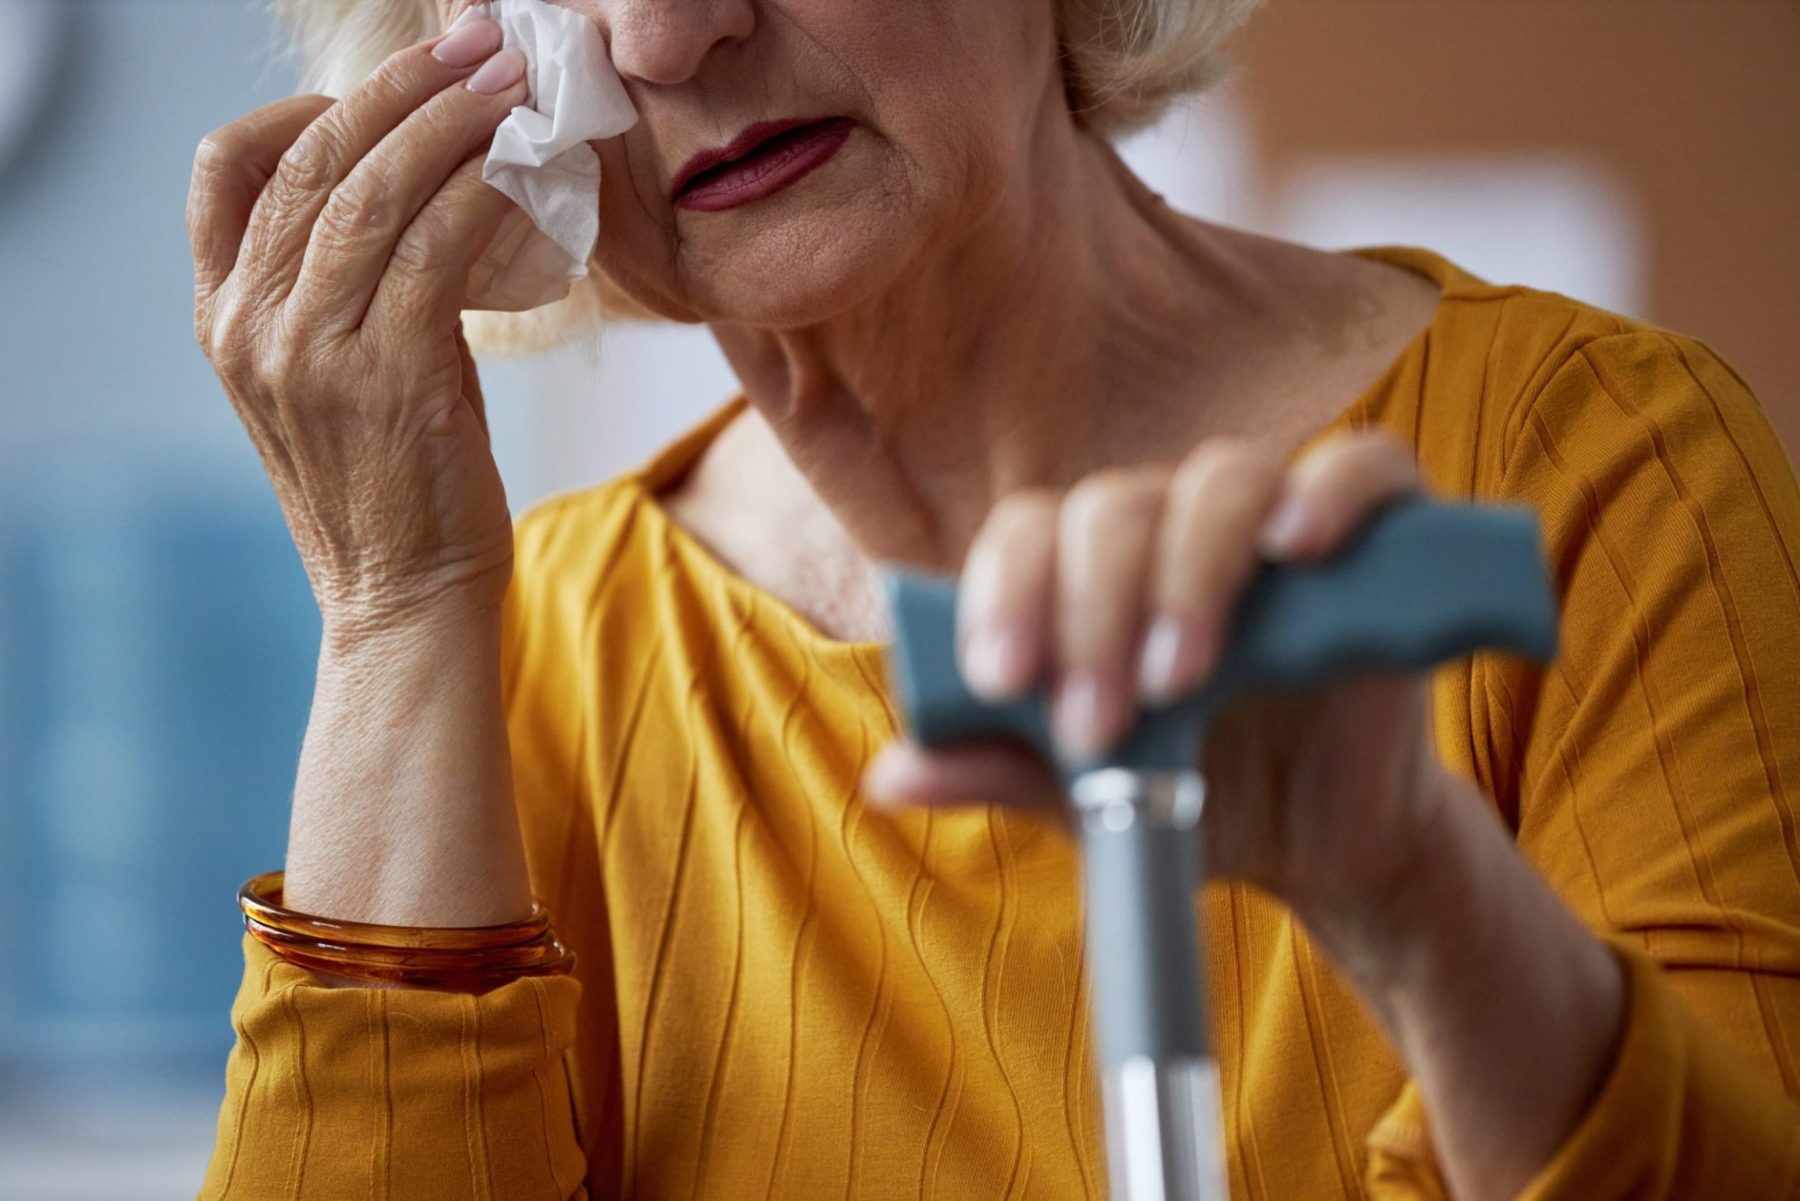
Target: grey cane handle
<point>1422,582</point>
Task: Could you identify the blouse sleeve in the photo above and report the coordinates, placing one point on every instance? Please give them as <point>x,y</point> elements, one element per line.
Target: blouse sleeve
<point>1653,770</point>
<point>396,1093</point>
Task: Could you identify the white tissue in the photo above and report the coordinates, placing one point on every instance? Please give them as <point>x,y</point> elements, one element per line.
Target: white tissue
<point>541,158</point>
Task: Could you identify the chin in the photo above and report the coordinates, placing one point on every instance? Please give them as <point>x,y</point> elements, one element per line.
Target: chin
<point>826,244</point>
<point>785,283</point>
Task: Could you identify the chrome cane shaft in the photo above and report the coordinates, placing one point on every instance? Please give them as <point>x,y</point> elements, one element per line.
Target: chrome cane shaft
<point>1140,851</point>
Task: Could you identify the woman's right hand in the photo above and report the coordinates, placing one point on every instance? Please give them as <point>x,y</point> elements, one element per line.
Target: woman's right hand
<point>332,246</point>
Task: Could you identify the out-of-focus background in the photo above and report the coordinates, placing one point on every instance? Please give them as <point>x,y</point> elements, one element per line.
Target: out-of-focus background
<point>156,632</point>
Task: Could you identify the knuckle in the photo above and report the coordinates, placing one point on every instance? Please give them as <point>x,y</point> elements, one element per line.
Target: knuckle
<point>311,164</point>
<point>217,154</point>
<point>1225,459</point>
<point>1087,499</point>
<point>416,252</point>
<point>272,363</point>
<point>1010,552</point>
<point>1025,517</point>
<point>242,345</point>
<point>221,324</point>
<point>398,80</point>
<point>1019,512</point>
<point>1332,460</point>
<point>232,360</point>
<point>1219,483</point>
<point>284,197</point>
<point>1371,437</point>
<point>350,218</point>
<point>438,119</point>
<point>1359,446</point>
<point>397,72</point>
<point>465,192</point>
<point>1384,448</point>
<point>216,170</point>
<point>411,257</point>
<point>1110,495</point>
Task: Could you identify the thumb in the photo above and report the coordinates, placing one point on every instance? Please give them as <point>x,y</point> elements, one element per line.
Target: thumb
<point>990,771</point>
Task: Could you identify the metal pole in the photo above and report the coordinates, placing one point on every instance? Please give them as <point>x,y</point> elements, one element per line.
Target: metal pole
<point>1140,842</point>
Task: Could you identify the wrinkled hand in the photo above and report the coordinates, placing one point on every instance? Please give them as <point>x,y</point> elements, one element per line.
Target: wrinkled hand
<point>1119,593</point>
<point>332,244</point>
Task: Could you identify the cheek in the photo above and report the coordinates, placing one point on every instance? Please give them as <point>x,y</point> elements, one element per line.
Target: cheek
<point>948,92</point>
<point>640,251</point>
<point>959,93</point>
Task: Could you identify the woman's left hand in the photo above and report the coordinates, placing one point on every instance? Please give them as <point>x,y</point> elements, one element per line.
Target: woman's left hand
<point>1119,593</point>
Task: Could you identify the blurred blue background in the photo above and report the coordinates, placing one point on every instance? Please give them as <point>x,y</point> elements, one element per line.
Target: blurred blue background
<point>156,629</point>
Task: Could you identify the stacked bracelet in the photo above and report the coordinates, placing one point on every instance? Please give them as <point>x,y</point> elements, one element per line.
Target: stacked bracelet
<point>465,958</point>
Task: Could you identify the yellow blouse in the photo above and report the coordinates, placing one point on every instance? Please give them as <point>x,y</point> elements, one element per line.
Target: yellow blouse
<point>780,993</point>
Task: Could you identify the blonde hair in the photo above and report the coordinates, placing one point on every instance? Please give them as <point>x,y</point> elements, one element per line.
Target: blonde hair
<point>1124,61</point>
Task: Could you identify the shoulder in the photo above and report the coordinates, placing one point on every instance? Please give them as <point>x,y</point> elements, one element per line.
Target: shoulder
<point>1581,409</point>
<point>1507,375</point>
<point>1669,519</point>
<point>1669,515</point>
<point>578,556</point>
<point>1641,400</point>
<point>566,542</point>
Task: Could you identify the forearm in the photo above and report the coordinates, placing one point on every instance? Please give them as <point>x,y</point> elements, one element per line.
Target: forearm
<point>1506,1010</point>
<point>403,808</point>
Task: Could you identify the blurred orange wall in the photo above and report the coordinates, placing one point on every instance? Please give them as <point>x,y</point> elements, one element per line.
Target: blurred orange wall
<point>1694,104</point>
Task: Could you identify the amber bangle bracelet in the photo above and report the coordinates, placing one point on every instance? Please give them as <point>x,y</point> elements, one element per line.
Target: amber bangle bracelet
<point>460,957</point>
<point>261,899</point>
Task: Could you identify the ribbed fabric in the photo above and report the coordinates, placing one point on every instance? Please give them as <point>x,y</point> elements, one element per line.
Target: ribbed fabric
<point>781,993</point>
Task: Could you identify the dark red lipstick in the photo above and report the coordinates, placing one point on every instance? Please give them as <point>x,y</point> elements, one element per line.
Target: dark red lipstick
<point>762,160</point>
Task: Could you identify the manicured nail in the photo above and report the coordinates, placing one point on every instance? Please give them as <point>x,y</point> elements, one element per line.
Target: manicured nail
<point>1286,529</point>
<point>993,662</point>
<point>499,72</point>
<point>1085,715</point>
<point>1177,654</point>
<point>468,44</point>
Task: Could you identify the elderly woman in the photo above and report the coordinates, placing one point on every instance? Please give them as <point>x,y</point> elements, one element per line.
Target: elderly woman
<point>1490,931</point>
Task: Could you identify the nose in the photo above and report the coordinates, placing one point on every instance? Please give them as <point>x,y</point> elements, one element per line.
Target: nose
<point>665,41</point>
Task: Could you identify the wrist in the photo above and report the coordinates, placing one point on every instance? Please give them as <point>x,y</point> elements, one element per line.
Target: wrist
<point>354,634</point>
<point>1388,932</point>
<point>1468,957</point>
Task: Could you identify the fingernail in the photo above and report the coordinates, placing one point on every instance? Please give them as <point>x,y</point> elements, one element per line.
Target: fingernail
<point>499,72</point>
<point>1286,528</point>
<point>1177,654</point>
<point>994,661</point>
<point>1085,714</point>
<point>468,44</point>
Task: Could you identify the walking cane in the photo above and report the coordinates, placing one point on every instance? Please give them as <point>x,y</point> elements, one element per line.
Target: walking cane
<point>1424,581</point>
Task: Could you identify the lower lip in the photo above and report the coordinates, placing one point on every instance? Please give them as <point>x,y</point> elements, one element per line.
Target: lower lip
<point>768,172</point>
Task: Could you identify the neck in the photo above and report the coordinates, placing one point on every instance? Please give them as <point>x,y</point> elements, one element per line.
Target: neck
<point>1074,327</point>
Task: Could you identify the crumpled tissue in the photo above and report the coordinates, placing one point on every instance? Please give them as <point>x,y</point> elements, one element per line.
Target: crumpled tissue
<point>541,158</point>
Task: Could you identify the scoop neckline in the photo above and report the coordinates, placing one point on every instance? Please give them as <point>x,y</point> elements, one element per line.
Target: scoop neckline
<point>651,474</point>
